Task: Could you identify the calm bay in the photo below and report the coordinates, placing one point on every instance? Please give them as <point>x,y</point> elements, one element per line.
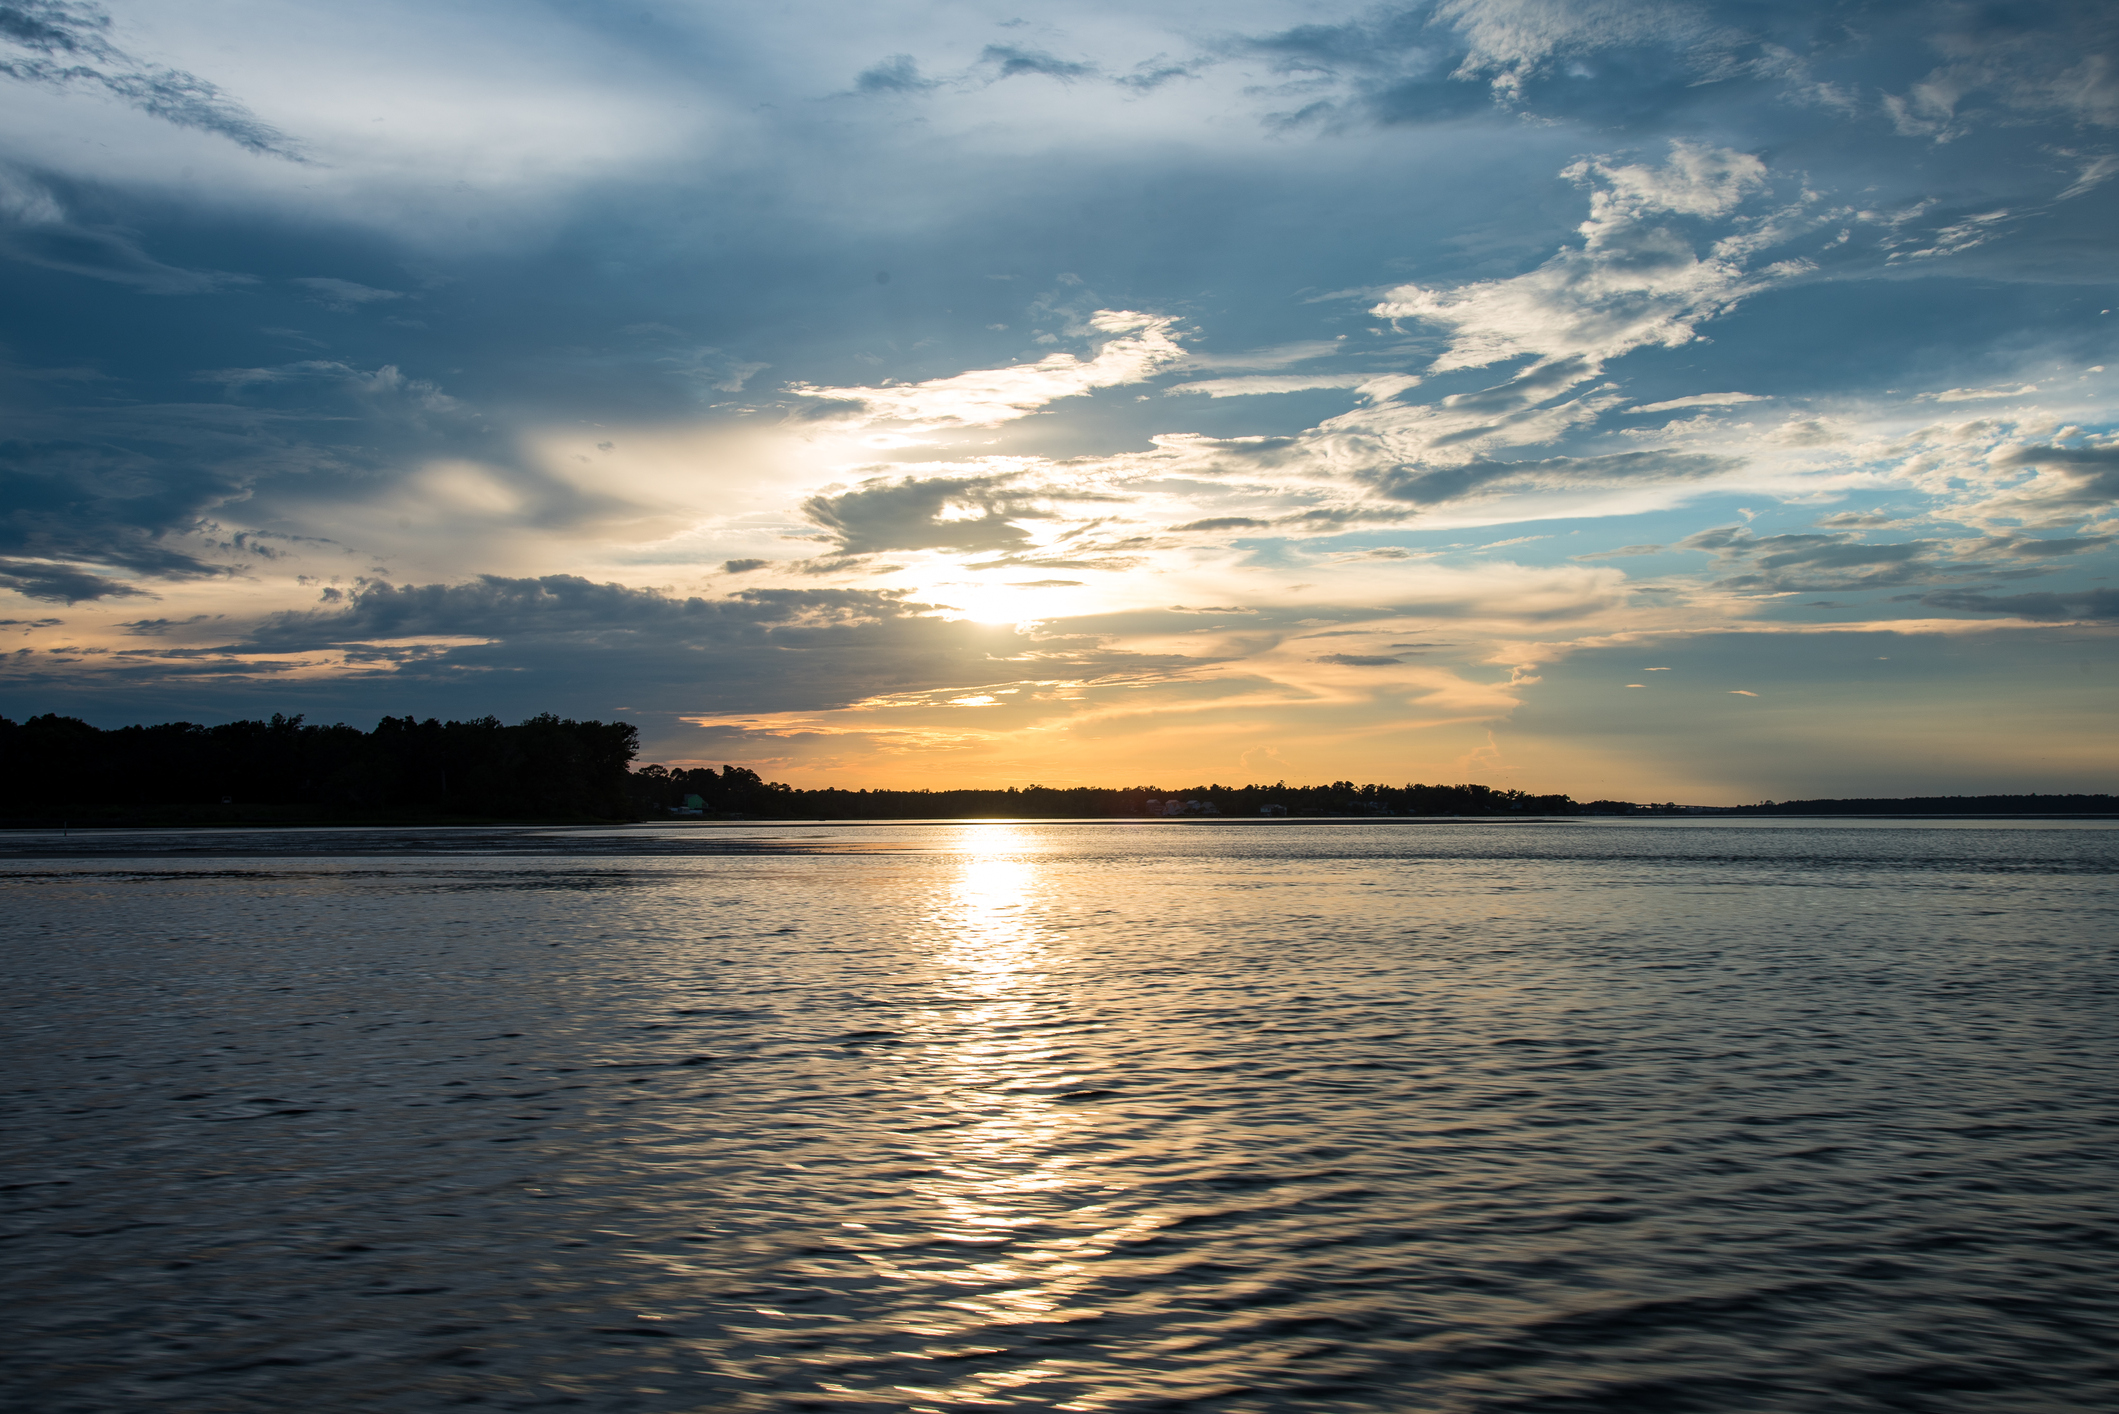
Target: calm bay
<point>1563,1115</point>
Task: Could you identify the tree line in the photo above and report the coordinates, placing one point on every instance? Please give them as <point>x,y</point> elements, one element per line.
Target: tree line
<point>546,767</point>
<point>735,790</point>
<point>553,768</point>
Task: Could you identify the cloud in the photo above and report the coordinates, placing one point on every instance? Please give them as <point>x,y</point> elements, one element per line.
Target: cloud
<point>2070,483</point>
<point>2094,174</point>
<point>1635,280</point>
<point>1636,62</point>
<point>1699,400</point>
<point>763,650</point>
<point>1511,41</point>
<point>1135,348</point>
<point>2073,604</point>
<point>1596,59</point>
<point>65,43</point>
<point>343,295</point>
<point>1360,660</point>
<point>1285,383</point>
<point>897,74</point>
<point>2044,60</point>
<point>1430,486</point>
<point>1277,356</point>
<point>1966,395</point>
<point>1151,74</point>
<point>1810,564</point>
<point>35,228</point>
<point>388,383</point>
<point>1014,62</point>
<point>968,514</point>
<point>704,368</point>
<point>61,584</point>
<point>156,628</point>
<point>1226,523</point>
<point>730,220</point>
<point>2029,547</point>
<point>71,504</point>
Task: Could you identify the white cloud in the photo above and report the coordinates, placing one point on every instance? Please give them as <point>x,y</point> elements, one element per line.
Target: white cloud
<point>1966,395</point>
<point>2094,173</point>
<point>1958,237</point>
<point>1700,400</point>
<point>1279,356</point>
<point>1139,347</point>
<point>1269,383</point>
<point>1510,39</point>
<point>1635,280</point>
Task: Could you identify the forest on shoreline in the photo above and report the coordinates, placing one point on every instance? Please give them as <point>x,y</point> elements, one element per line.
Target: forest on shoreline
<point>549,768</point>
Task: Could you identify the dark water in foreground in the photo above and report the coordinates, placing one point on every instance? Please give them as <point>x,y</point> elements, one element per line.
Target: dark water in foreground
<point>1569,1117</point>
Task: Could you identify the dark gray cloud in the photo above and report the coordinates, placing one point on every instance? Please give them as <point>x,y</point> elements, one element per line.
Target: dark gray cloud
<point>61,584</point>
<point>563,606</point>
<point>66,44</point>
<point>1812,563</point>
<point>1360,660</point>
<point>561,642</point>
<point>156,628</point>
<point>1226,523</point>
<point>1535,384</point>
<point>1014,62</point>
<point>2002,62</point>
<point>1925,70</point>
<point>968,513</point>
<point>2066,604</point>
<point>1856,520</point>
<point>86,503</point>
<point>897,74</point>
<point>1431,486</point>
<point>1840,562</point>
<point>1316,518</point>
<point>175,491</point>
<point>2083,480</point>
<point>1624,552</point>
<point>343,295</point>
<point>1818,563</point>
<point>2031,547</point>
<point>1055,562</point>
<point>37,228</point>
<point>1436,61</point>
<point>900,74</point>
<point>1152,74</point>
<point>1324,516</point>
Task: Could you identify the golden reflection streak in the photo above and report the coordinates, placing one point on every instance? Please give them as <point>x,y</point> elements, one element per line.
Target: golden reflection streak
<point>1011,1163</point>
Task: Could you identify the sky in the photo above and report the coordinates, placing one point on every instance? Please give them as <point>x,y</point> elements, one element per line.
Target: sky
<point>1711,402</point>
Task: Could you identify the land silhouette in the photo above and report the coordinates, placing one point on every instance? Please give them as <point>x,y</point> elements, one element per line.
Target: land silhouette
<point>547,768</point>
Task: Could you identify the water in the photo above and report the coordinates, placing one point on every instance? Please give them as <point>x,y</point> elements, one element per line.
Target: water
<point>1402,1116</point>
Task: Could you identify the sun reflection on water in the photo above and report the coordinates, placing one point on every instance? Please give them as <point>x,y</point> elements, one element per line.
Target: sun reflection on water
<point>1011,1183</point>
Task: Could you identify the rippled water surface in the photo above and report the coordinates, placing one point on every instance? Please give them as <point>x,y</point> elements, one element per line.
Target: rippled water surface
<point>1402,1116</point>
